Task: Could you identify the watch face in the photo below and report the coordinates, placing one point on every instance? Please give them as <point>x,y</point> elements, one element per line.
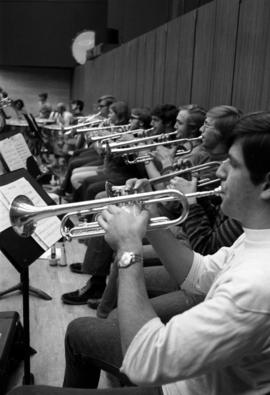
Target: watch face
<point>128,258</point>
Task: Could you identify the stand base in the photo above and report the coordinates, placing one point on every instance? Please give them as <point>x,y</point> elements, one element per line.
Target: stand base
<point>34,291</point>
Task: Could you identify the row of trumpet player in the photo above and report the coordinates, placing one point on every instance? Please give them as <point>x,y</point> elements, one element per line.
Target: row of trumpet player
<point>24,216</point>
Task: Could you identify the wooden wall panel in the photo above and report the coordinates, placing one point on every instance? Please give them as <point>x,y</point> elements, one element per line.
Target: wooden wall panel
<point>79,79</point>
<point>214,55</point>
<point>26,83</point>
<point>225,38</point>
<point>104,75</point>
<point>251,82</point>
<point>186,42</point>
<point>149,70</point>
<point>132,75</point>
<point>140,71</point>
<point>203,58</point>
<point>171,61</point>
<point>118,72</point>
<point>90,87</point>
<point>124,81</point>
<point>159,71</point>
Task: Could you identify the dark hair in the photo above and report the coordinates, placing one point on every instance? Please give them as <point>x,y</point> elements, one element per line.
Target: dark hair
<point>225,118</point>
<point>122,111</point>
<point>19,103</point>
<point>143,115</point>
<point>109,99</point>
<point>253,130</point>
<point>196,117</point>
<point>43,95</point>
<point>78,103</point>
<point>166,112</point>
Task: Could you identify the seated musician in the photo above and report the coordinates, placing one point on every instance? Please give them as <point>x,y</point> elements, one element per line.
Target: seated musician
<point>61,116</point>
<point>45,107</point>
<point>140,118</point>
<point>115,118</point>
<point>220,346</point>
<point>76,108</point>
<point>189,120</point>
<point>18,106</point>
<point>87,156</point>
<point>99,255</point>
<point>217,123</point>
<point>113,169</point>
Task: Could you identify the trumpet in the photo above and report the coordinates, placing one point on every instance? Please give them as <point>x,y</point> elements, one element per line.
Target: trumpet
<point>24,216</point>
<point>113,136</point>
<point>122,128</point>
<point>91,120</point>
<point>203,181</point>
<point>186,148</point>
<point>160,137</point>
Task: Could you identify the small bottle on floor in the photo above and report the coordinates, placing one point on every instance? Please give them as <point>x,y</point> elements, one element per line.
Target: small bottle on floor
<point>63,258</point>
<point>53,258</point>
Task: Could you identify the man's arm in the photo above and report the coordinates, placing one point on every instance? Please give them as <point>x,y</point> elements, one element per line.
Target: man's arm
<point>175,255</point>
<point>134,307</point>
<point>125,230</point>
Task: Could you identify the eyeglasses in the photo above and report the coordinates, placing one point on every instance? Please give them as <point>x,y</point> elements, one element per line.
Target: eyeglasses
<point>208,125</point>
<point>102,105</point>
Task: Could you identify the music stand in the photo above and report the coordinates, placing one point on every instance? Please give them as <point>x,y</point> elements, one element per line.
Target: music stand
<point>22,252</point>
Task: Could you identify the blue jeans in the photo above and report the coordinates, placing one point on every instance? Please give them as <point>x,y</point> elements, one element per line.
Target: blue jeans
<point>92,344</point>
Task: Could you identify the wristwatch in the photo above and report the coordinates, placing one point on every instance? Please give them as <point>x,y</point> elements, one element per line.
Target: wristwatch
<point>127,259</point>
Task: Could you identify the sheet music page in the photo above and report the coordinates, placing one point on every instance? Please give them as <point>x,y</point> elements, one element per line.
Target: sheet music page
<point>10,155</point>
<point>21,147</point>
<point>48,230</point>
<point>4,213</point>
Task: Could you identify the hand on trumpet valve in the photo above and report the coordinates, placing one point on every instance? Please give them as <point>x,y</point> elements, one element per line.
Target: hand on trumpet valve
<point>135,185</point>
<point>182,164</point>
<point>184,186</point>
<point>124,227</point>
<point>164,155</point>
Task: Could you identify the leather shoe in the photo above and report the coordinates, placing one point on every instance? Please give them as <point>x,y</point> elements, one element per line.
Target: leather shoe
<point>76,267</point>
<point>81,296</point>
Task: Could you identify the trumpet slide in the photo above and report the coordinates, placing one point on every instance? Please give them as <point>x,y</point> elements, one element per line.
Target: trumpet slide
<point>159,137</point>
<point>186,146</point>
<point>91,120</point>
<point>122,128</point>
<point>114,136</point>
<point>204,179</point>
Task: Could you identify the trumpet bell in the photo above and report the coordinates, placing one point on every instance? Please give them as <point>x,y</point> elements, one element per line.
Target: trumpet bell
<point>21,223</point>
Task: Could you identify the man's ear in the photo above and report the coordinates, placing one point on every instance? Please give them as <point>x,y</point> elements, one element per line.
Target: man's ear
<point>265,193</point>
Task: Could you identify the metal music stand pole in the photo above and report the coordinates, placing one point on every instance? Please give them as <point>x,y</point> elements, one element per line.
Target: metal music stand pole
<point>28,378</point>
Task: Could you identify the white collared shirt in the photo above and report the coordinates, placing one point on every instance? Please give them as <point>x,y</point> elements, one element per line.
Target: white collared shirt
<point>222,345</point>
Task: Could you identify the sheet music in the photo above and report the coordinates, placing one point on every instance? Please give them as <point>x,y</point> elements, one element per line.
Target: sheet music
<point>48,230</point>
<point>11,155</point>
<point>4,214</point>
<point>21,147</point>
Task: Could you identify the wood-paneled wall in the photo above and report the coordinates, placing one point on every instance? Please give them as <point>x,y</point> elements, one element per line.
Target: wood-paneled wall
<point>217,54</point>
<point>27,83</point>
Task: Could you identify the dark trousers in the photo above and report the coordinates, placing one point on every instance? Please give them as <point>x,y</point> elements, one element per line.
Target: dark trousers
<point>46,390</point>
